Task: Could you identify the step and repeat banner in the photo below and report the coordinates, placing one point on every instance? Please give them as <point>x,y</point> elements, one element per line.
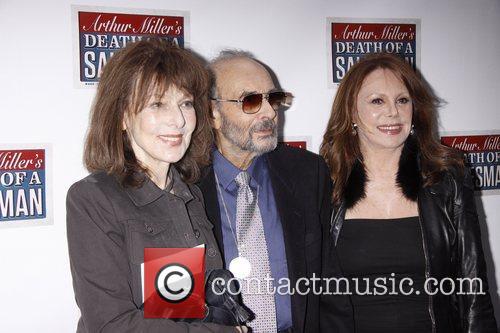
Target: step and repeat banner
<point>25,185</point>
<point>351,38</point>
<point>482,153</point>
<point>98,32</point>
<point>310,44</point>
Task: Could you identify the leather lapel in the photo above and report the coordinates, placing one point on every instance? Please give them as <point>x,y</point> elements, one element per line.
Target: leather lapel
<point>209,189</point>
<point>293,234</point>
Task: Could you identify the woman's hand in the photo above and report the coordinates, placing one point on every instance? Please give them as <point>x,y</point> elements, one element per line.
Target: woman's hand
<point>241,329</point>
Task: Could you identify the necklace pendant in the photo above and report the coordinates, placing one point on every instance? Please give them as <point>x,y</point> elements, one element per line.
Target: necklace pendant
<point>240,267</point>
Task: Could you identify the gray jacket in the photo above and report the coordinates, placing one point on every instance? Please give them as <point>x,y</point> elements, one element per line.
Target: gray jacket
<point>108,227</point>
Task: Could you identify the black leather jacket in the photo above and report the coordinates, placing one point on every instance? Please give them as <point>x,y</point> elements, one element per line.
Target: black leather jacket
<point>452,249</point>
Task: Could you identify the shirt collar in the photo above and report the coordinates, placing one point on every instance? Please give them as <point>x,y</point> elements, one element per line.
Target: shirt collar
<point>149,192</point>
<point>227,172</point>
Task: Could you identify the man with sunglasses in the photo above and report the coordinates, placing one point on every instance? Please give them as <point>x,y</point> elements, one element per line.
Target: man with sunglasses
<point>266,201</point>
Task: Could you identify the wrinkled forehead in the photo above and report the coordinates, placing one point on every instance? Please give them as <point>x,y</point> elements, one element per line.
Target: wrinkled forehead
<point>241,75</point>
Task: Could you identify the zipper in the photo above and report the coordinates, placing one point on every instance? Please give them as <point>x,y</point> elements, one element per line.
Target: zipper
<point>334,221</point>
<point>427,274</point>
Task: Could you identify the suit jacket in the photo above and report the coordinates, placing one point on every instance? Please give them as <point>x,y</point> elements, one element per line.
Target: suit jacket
<point>108,227</point>
<point>301,188</point>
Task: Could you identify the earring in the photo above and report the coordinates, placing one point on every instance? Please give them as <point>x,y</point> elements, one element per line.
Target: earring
<point>412,131</point>
<point>354,130</point>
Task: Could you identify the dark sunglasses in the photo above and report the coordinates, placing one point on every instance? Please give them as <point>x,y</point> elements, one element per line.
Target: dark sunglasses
<point>252,103</point>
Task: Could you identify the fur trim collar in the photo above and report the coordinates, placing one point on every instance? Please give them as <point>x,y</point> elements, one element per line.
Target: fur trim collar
<point>408,178</point>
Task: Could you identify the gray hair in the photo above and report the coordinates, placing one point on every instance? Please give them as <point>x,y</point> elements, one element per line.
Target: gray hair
<point>223,56</point>
<point>229,54</point>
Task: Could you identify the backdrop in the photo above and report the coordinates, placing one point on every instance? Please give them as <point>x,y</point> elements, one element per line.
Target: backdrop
<point>459,52</point>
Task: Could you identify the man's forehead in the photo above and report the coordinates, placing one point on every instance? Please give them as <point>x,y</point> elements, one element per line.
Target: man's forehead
<point>242,74</point>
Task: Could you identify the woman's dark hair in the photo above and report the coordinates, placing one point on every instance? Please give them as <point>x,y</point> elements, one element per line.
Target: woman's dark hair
<point>340,148</point>
<point>128,80</point>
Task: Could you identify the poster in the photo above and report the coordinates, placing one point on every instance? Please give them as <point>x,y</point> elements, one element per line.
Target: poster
<point>302,142</point>
<point>98,32</point>
<point>482,153</point>
<point>349,39</point>
<point>25,185</point>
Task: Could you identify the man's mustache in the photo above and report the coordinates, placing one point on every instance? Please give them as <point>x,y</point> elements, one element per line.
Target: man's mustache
<point>264,125</point>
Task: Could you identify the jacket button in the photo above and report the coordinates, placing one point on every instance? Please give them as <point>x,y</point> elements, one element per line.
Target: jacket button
<point>149,229</point>
<point>211,252</point>
<point>187,236</point>
<point>197,233</point>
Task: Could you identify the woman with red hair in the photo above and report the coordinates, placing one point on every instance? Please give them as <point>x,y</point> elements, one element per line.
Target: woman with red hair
<point>404,224</point>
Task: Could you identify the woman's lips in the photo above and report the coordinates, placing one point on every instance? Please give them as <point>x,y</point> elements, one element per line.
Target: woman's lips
<point>390,129</point>
<point>171,139</point>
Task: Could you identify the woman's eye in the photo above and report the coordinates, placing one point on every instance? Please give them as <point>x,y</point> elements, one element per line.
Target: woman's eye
<point>403,100</point>
<point>187,104</point>
<point>377,101</point>
<point>157,105</point>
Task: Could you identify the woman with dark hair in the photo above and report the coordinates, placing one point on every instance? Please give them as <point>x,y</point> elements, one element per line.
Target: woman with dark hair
<point>149,135</point>
<point>404,225</point>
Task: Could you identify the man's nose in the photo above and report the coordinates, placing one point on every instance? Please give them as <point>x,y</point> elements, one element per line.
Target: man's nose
<point>266,110</point>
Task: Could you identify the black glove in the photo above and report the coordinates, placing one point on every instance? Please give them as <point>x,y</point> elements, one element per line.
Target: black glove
<point>224,307</point>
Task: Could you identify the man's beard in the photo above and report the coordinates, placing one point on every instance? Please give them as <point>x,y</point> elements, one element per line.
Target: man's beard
<point>243,138</point>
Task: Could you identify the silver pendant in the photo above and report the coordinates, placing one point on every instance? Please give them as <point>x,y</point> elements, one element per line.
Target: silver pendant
<point>240,267</point>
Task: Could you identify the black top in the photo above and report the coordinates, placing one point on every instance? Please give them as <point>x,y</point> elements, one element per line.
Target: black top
<point>376,256</point>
